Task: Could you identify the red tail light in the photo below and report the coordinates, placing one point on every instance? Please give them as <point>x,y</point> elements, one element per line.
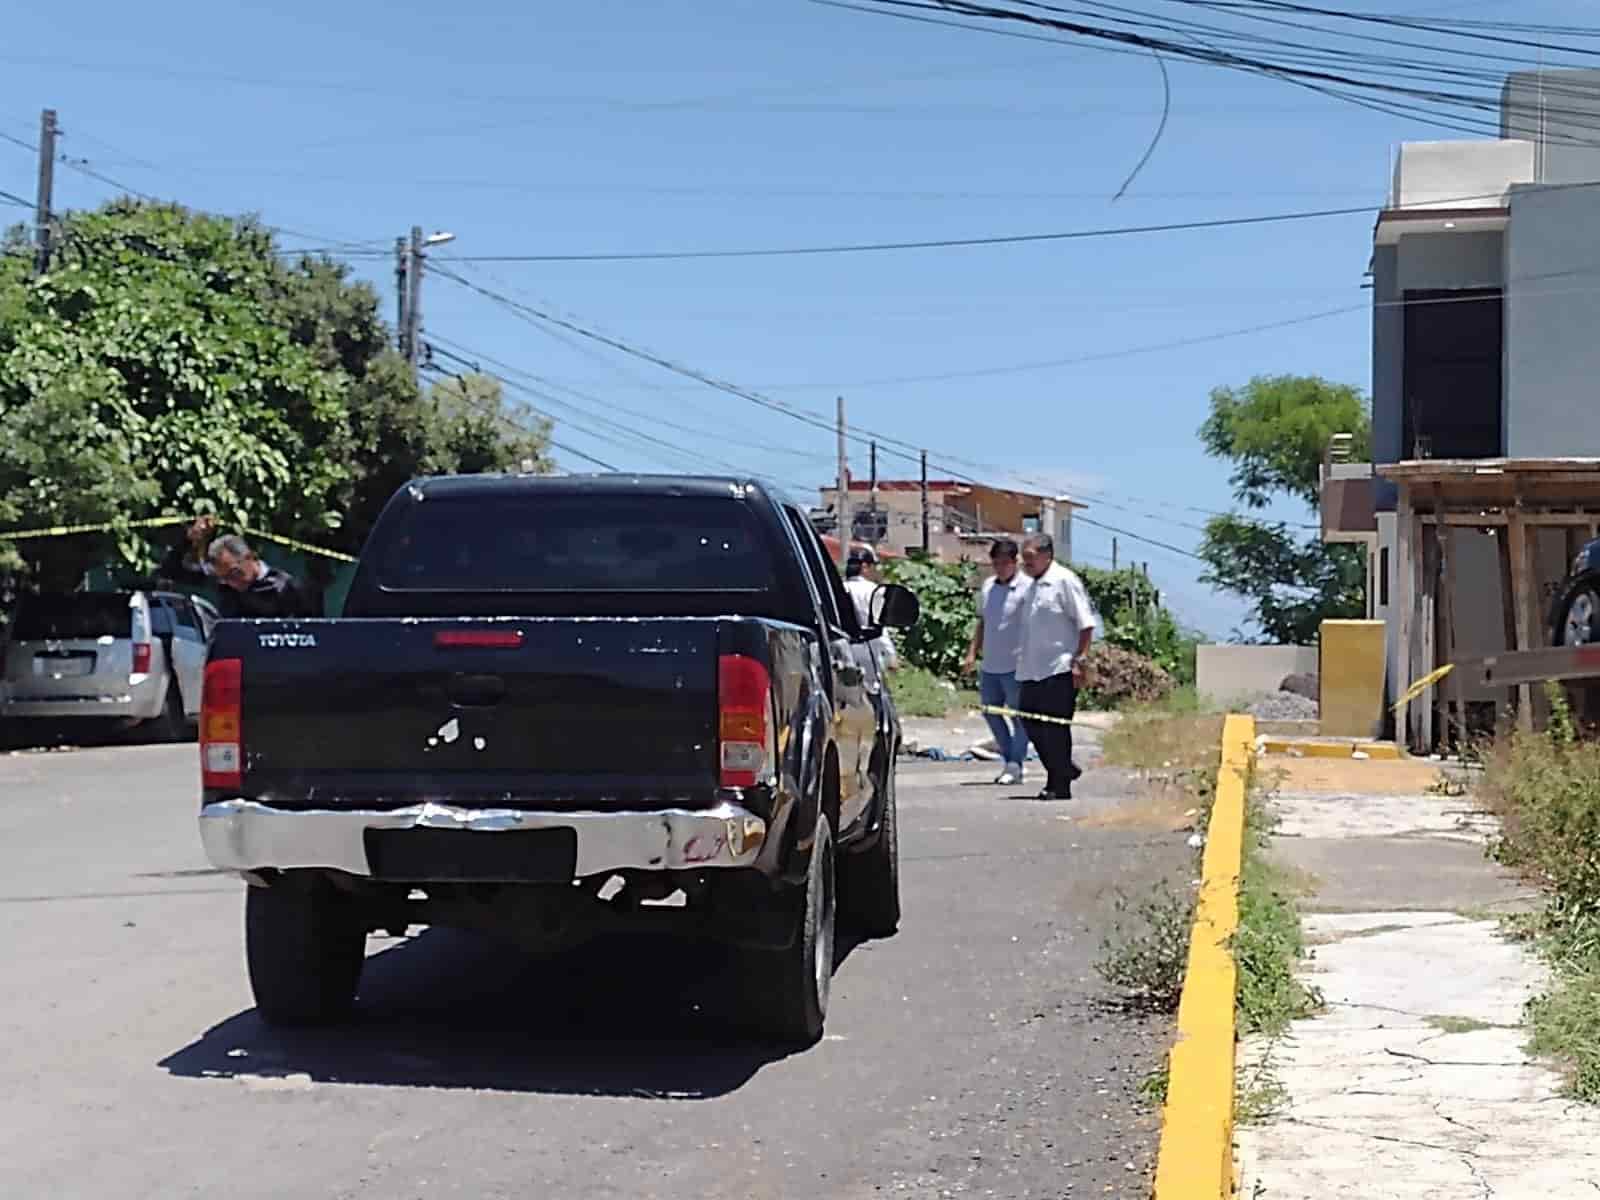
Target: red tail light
<point>483,639</point>
<point>222,725</point>
<point>744,701</point>
<point>141,658</point>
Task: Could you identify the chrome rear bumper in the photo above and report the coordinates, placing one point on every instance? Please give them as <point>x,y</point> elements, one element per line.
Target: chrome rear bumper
<point>245,835</point>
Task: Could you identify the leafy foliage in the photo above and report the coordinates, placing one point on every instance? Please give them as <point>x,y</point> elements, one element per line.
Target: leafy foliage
<point>1125,601</point>
<point>948,595</point>
<point>169,361</point>
<point>1545,787</point>
<point>1274,431</point>
<point>1134,620</point>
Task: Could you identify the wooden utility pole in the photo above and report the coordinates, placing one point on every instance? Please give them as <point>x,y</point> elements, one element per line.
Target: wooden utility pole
<point>925,547</point>
<point>1113,554</point>
<point>44,209</point>
<point>402,284</point>
<point>872,492</point>
<point>844,492</point>
<point>414,300</point>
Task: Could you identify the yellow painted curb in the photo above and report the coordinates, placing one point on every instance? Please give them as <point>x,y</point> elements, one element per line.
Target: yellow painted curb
<point>1305,748</point>
<point>1195,1160</point>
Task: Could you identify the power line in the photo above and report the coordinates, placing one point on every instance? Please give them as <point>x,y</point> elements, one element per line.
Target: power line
<point>1068,235</point>
<point>888,443</point>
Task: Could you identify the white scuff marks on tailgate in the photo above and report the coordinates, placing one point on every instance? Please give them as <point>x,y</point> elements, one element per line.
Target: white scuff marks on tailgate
<point>448,733</point>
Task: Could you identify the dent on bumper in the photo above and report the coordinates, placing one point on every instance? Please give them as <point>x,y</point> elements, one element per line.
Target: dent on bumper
<point>245,835</point>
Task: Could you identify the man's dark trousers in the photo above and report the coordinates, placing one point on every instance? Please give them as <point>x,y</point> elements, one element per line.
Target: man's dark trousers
<point>1053,697</point>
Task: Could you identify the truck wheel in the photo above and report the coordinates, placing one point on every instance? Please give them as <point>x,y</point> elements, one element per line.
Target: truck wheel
<point>1580,618</point>
<point>304,945</point>
<point>870,881</point>
<point>170,726</point>
<point>789,993</point>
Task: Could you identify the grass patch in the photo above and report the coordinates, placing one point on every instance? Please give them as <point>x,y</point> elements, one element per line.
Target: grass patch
<point>1545,788</point>
<point>1449,1024</point>
<point>1269,942</point>
<point>1172,736</point>
<point>920,693</point>
<point>1153,1087</point>
<point>1564,1024</point>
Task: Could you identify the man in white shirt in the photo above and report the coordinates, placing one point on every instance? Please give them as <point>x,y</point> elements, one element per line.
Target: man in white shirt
<point>997,639</point>
<point>861,581</point>
<point>1058,624</point>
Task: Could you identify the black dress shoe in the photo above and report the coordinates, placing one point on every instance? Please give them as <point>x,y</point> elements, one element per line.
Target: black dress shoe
<point>1055,794</point>
<point>1075,771</point>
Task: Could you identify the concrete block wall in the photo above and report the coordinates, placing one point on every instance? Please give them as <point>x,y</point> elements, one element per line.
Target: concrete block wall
<point>1231,674</point>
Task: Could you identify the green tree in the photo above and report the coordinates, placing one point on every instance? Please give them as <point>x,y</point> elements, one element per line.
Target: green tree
<point>173,362</point>
<point>1133,618</point>
<point>1274,431</point>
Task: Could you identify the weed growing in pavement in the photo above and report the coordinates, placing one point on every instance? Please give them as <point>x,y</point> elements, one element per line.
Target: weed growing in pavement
<point>1260,1098</point>
<point>1269,942</point>
<point>1145,954</point>
<point>1545,788</point>
<point>1153,1087</point>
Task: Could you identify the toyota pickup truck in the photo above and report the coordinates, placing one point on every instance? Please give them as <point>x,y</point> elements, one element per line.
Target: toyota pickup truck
<point>554,708</point>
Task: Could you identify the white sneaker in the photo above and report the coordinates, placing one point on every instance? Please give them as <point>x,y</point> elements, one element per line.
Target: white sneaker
<point>1009,777</point>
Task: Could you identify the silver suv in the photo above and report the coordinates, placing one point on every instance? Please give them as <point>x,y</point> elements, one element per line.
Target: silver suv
<point>126,657</point>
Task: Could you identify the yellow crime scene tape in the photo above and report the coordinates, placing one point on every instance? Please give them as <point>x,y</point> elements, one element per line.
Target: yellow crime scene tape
<point>336,555</point>
<point>1420,686</point>
<point>49,531</point>
<point>1001,711</point>
<point>17,535</point>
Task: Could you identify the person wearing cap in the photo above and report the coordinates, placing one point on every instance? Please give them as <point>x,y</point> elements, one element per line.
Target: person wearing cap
<point>861,581</point>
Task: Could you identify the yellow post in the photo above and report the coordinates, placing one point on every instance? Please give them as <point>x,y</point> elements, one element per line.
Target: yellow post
<point>1351,678</point>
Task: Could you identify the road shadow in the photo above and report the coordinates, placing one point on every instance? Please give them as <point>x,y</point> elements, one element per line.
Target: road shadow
<point>639,1016</point>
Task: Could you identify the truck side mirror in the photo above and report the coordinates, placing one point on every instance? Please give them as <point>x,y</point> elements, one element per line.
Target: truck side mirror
<point>895,607</point>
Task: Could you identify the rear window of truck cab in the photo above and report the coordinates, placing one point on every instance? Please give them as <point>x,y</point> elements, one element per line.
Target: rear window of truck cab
<point>567,543</point>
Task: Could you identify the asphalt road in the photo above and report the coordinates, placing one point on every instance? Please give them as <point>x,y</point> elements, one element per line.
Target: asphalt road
<point>971,1055</point>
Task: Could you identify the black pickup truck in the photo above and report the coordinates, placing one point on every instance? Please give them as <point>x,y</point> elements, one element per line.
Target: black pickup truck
<point>559,707</point>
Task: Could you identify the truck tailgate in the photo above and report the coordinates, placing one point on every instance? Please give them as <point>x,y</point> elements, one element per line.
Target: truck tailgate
<point>585,711</point>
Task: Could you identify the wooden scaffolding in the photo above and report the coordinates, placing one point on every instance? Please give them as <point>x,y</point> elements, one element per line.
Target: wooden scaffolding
<point>1514,499</point>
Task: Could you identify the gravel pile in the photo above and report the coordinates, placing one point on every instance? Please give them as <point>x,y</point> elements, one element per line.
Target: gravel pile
<point>1283,706</point>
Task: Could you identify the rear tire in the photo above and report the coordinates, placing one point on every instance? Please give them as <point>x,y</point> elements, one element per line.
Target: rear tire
<point>304,944</point>
<point>171,725</point>
<point>1580,618</point>
<point>870,881</point>
<point>788,996</point>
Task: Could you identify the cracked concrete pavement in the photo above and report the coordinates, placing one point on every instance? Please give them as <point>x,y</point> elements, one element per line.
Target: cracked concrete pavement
<point>1414,1081</point>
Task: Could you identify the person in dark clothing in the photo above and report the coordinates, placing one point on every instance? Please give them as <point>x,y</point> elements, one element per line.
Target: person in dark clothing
<point>1058,624</point>
<point>250,588</point>
<point>186,562</point>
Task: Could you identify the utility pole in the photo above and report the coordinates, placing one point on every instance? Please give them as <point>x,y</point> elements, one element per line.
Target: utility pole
<point>408,285</point>
<point>925,547</point>
<point>44,212</point>
<point>1113,554</point>
<point>844,493</point>
<point>872,492</point>
<point>401,285</point>
<point>414,300</point>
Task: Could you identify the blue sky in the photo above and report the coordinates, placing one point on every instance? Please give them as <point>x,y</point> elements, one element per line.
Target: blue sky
<point>612,126</point>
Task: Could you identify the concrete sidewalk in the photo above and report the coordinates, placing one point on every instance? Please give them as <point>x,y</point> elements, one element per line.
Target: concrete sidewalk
<point>1413,1082</point>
